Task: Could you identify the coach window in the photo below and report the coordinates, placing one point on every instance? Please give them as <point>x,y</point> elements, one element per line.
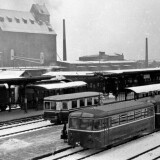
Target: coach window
<point>64,105</point>
<point>96,100</point>
<point>115,120</point>
<point>138,114</point>
<point>47,105</point>
<point>53,105</point>
<point>74,104</point>
<point>89,101</point>
<point>82,102</point>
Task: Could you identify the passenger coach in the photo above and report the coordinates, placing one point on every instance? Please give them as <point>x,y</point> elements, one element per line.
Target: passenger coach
<point>58,107</point>
<point>112,124</point>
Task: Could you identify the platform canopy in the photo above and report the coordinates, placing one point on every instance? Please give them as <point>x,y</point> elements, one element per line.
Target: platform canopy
<point>61,85</point>
<point>145,89</point>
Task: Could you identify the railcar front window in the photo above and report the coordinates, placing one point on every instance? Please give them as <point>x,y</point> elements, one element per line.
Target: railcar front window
<point>86,124</point>
<point>98,124</point>
<point>74,123</point>
<point>47,105</point>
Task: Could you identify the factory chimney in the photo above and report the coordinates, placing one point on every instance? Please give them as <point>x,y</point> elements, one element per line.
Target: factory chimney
<point>64,42</point>
<point>146,58</point>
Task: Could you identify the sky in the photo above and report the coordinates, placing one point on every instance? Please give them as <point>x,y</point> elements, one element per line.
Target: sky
<point>111,26</point>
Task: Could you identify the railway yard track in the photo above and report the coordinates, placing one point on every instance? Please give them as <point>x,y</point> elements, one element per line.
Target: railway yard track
<point>24,125</point>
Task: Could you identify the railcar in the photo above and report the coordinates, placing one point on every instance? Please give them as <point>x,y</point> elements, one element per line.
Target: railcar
<point>58,107</point>
<point>110,125</point>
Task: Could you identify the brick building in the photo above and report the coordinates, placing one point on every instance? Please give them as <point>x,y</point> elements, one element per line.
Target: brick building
<point>26,36</point>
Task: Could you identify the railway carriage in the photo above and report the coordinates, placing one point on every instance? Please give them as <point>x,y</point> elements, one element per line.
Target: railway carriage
<point>112,124</point>
<point>58,107</point>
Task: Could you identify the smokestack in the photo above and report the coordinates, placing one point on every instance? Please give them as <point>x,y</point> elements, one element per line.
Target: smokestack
<point>146,58</point>
<point>64,42</point>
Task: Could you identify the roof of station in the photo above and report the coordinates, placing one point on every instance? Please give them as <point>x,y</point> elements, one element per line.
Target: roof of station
<point>70,73</point>
<point>20,77</point>
<point>145,89</point>
<point>130,71</point>
<point>60,85</point>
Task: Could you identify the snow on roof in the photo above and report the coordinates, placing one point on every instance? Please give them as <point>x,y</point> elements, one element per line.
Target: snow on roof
<point>61,85</point>
<point>20,21</point>
<point>145,89</point>
<point>71,73</point>
<point>11,74</point>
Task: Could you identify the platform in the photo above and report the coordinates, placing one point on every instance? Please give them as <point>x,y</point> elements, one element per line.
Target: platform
<point>18,113</point>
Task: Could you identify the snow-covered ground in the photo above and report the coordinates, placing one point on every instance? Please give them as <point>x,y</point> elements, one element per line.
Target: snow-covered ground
<point>124,151</point>
<point>131,149</point>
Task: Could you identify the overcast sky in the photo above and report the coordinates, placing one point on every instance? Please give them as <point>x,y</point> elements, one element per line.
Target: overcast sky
<point>112,26</point>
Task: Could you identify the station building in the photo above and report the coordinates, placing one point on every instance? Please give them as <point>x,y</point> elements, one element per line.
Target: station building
<point>27,38</point>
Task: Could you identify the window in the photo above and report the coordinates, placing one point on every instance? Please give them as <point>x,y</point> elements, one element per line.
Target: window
<point>73,123</point>
<point>1,19</point>
<point>53,105</point>
<point>9,19</point>
<point>99,124</point>
<point>24,20</point>
<point>138,114</point>
<point>64,105</point>
<point>150,111</point>
<point>32,21</point>
<point>123,118</point>
<point>82,102</point>
<point>131,116</point>
<point>144,112</point>
<point>96,100</point>
<point>115,120</point>
<point>89,101</point>
<point>47,105</point>
<point>74,104</point>
<point>17,20</point>
<point>50,28</point>
<point>86,124</point>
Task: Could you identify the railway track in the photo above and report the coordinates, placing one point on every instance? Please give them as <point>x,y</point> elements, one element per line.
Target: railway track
<point>20,120</point>
<point>152,152</point>
<point>12,130</point>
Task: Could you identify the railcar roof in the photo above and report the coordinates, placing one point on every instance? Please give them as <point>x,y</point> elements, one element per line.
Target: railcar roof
<point>65,97</point>
<point>114,108</point>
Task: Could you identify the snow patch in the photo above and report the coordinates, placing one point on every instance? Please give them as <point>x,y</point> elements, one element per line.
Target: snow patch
<point>14,144</point>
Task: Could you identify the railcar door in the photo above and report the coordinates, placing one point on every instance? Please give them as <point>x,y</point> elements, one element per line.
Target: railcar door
<point>106,130</point>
